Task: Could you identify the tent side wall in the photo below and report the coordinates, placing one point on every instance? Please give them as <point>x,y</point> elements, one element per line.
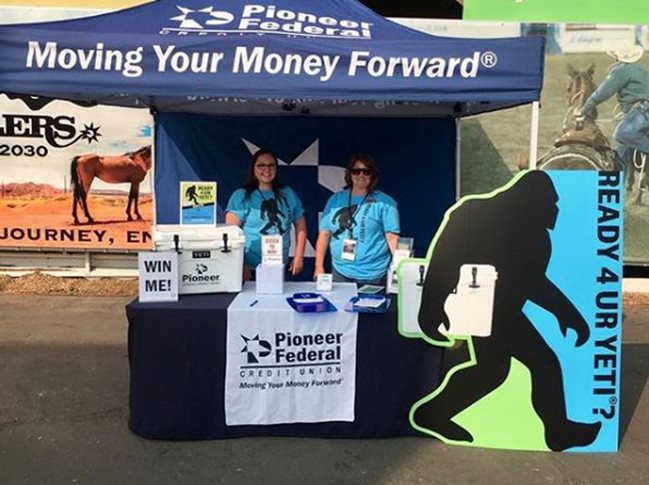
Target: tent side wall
<point>415,157</point>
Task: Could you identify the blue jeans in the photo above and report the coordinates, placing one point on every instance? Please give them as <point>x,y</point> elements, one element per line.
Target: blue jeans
<point>633,132</point>
<point>337,277</point>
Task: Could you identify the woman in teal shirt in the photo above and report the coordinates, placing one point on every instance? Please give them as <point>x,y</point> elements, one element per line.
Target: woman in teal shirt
<point>264,206</point>
<point>360,225</point>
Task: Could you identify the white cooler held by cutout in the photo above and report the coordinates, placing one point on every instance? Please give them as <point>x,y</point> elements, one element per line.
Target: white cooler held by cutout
<point>470,308</point>
<point>211,257</point>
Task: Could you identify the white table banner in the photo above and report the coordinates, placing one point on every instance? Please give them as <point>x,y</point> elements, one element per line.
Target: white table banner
<point>288,367</point>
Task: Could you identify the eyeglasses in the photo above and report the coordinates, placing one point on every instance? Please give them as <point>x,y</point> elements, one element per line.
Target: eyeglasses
<point>262,166</point>
<point>358,171</point>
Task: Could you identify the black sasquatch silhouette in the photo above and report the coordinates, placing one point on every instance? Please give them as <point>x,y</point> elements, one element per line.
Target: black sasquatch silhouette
<point>190,194</point>
<point>270,208</point>
<point>511,232</point>
<point>345,219</point>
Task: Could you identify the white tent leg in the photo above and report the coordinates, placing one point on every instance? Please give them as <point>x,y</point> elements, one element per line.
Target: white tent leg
<point>154,122</point>
<point>458,158</point>
<point>534,135</point>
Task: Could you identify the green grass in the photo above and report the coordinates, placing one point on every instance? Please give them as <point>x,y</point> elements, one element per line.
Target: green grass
<point>493,144</point>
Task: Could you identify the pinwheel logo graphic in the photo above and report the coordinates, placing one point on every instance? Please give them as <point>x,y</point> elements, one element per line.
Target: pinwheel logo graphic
<point>255,348</point>
<point>198,19</point>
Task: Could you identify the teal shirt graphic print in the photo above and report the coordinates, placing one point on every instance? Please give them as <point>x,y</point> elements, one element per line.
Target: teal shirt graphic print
<point>366,220</point>
<point>262,213</point>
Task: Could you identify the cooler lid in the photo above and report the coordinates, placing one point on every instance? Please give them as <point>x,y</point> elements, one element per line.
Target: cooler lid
<point>197,232</point>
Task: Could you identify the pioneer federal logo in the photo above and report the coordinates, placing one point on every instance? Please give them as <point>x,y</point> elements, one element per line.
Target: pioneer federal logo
<point>255,348</point>
<point>265,19</point>
<point>202,18</point>
<point>287,354</point>
<point>200,278</point>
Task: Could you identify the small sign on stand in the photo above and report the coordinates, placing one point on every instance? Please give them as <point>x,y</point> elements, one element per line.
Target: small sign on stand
<point>270,273</point>
<point>198,203</point>
<point>158,276</point>
<point>272,249</point>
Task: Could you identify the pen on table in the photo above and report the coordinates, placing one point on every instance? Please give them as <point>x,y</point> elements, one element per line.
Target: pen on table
<point>254,303</point>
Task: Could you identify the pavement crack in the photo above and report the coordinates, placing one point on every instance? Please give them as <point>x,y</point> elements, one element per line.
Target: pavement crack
<point>12,422</point>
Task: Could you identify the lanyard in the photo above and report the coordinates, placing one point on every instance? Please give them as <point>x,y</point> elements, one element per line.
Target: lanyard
<point>262,194</point>
<point>352,217</point>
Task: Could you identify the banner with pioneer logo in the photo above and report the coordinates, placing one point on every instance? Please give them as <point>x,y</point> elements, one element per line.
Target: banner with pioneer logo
<point>175,55</point>
<point>289,367</point>
<point>74,176</point>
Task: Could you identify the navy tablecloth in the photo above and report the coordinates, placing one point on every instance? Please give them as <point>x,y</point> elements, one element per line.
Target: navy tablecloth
<point>177,370</point>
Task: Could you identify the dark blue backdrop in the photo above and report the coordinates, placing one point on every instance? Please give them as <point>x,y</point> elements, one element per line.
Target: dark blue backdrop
<point>416,160</point>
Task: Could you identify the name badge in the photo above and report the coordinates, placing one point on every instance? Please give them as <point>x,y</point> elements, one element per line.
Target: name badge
<point>349,249</point>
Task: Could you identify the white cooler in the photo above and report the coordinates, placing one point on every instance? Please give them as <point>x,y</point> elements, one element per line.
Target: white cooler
<point>470,308</point>
<point>210,259</point>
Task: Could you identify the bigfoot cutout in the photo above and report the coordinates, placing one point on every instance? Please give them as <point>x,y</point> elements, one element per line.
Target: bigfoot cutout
<point>511,232</point>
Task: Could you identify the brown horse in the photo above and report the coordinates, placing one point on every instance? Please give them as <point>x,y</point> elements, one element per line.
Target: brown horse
<point>580,86</point>
<point>131,167</point>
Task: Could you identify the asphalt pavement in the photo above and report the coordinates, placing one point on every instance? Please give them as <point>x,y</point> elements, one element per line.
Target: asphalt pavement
<point>64,411</point>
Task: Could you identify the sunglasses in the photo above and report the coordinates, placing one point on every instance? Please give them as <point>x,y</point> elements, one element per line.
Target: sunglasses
<point>358,171</point>
<point>262,166</point>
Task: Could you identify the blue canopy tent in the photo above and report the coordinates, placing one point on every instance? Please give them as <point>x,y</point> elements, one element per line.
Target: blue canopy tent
<point>289,71</point>
<point>161,53</point>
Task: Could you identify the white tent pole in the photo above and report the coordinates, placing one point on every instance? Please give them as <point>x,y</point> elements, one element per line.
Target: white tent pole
<point>154,219</point>
<point>458,157</point>
<point>534,135</point>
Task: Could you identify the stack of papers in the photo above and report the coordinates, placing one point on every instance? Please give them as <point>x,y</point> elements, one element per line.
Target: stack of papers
<point>370,289</point>
<point>369,302</point>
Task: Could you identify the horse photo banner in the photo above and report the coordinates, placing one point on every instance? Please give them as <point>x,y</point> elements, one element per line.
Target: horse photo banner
<point>495,146</point>
<point>73,176</point>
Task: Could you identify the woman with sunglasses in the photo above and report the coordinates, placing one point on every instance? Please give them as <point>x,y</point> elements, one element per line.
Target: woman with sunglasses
<point>265,206</point>
<point>360,225</point>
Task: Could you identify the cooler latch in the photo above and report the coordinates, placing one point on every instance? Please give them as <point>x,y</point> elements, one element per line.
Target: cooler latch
<point>177,243</point>
<point>225,248</point>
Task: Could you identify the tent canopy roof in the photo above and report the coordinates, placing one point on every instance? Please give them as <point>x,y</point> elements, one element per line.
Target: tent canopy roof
<point>234,56</point>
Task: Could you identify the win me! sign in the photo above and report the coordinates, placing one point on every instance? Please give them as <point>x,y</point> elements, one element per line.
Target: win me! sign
<point>158,276</point>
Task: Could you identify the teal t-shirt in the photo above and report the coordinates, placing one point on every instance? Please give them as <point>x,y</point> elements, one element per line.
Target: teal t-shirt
<point>263,214</point>
<point>365,219</point>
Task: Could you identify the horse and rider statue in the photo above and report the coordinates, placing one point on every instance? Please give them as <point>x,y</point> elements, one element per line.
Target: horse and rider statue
<point>582,145</point>
<point>130,168</point>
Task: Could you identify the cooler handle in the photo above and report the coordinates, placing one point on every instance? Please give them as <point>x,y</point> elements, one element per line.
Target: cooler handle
<point>225,249</point>
<point>422,270</point>
<point>177,243</point>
